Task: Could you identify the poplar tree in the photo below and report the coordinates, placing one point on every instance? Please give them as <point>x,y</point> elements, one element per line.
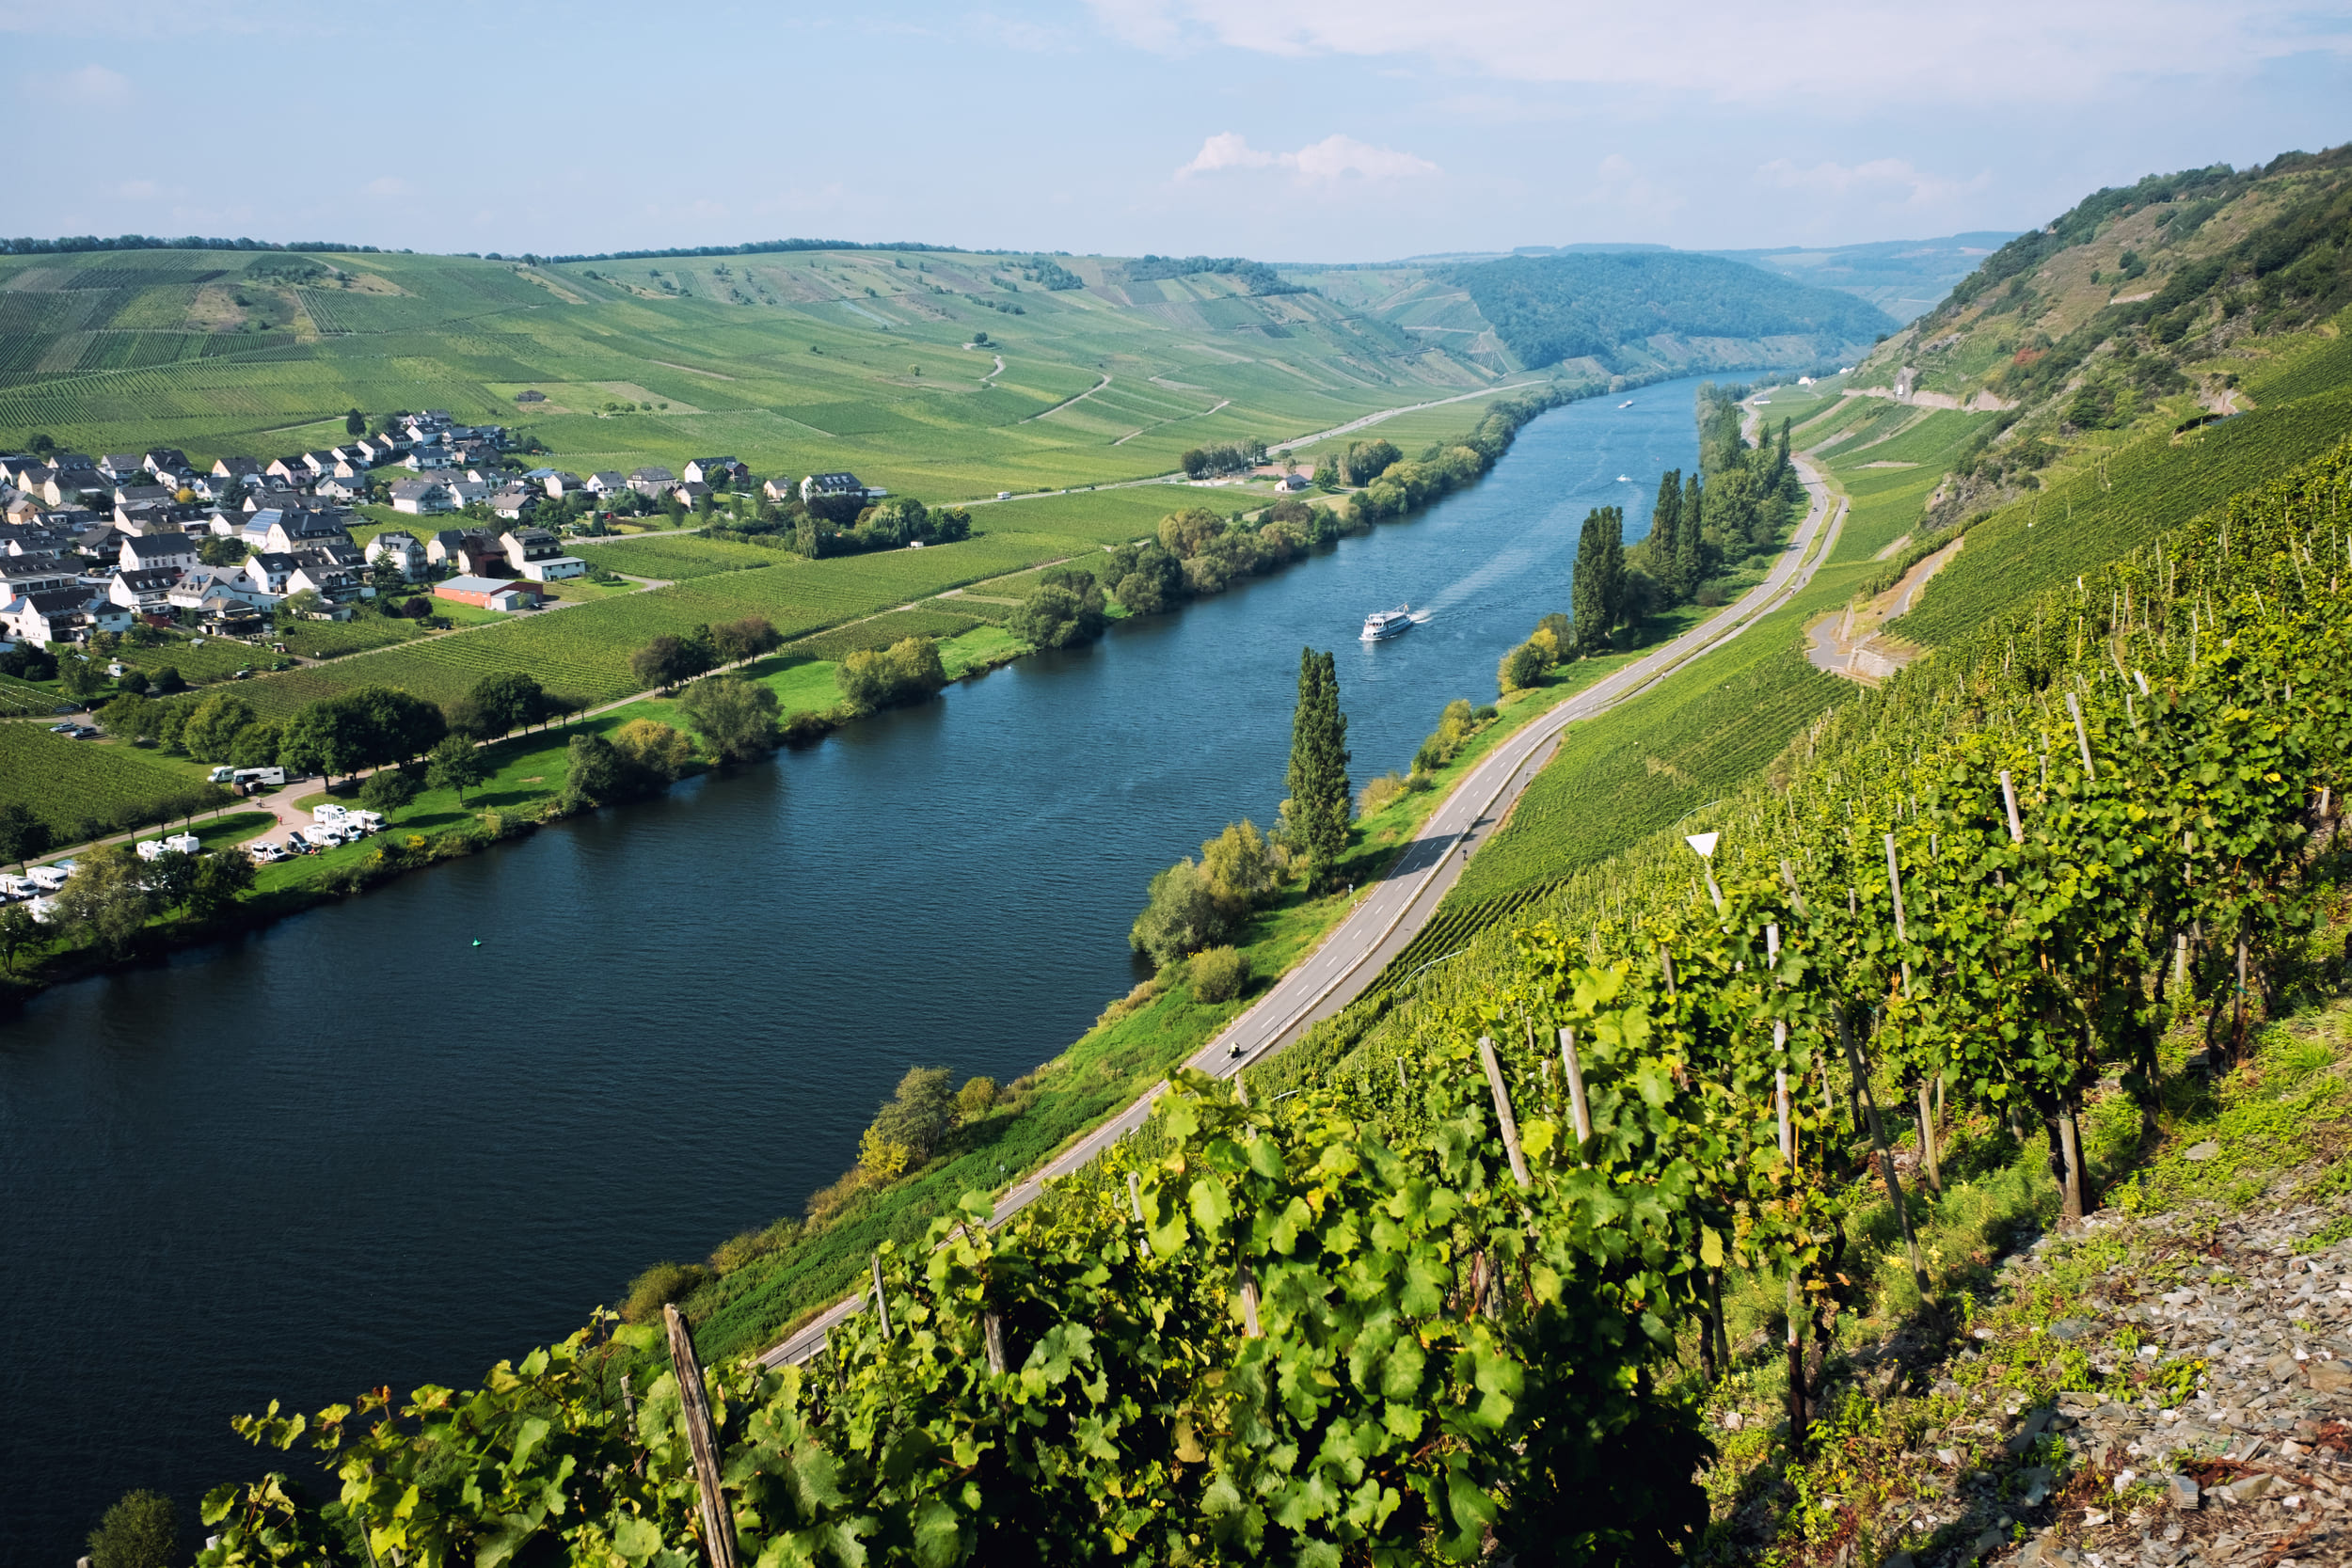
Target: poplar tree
<point>1665,521</point>
<point>1691,544</point>
<point>1318,771</point>
<point>1597,593</point>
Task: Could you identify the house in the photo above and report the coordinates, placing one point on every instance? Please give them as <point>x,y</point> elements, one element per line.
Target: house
<point>342,487</point>
<point>268,573</point>
<point>165,459</point>
<point>511,503</point>
<point>489,593</point>
<point>605,482</point>
<point>531,395</point>
<point>318,572</point>
<point>62,615</point>
<point>651,482</point>
<point>539,555</point>
<point>350,465</point>
<point>691,494</point>
<point>838,486</point>
<point>493,474</point>
<point>125,491</point>
<point>1292,483</point>
<point>145,590</point>
<point>318,463</point>
<point>715,470</point>
<point>481,556</point>
<point>62,487</point>
<point>399,551</point>
<point>558,484</point>
<point>150,552</point>
<point>225,615</point>
<point>42,573</point>
<point>465,492</point>
<point>380,449</point>
<point>291,470</point>
<point>199,588</point>
<point>120,466</point>
<point>425,459</point>
<point>243,469</point>
<point>298,528</point>
<point>421,497</point>
<point>148,518</point>
<point>443,548</point>
<point>780,489</point>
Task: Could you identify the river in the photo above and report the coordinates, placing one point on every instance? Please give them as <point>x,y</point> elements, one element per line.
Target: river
<point>356,1148</point>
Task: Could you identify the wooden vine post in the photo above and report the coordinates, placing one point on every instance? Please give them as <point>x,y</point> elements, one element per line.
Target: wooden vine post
<point>710,1503</point>
<point>1579,1109</point>
<point>1929,1165</point>
<point>1502,1109</point>
<point>1784,1114</point>
<point>881,1302</point>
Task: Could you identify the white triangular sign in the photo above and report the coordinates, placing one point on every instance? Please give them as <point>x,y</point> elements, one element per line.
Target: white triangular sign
<point>1704,843</point>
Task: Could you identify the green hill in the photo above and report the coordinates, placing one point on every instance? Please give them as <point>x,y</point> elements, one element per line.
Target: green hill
<point>1903,278</point>
<point>798,360</point>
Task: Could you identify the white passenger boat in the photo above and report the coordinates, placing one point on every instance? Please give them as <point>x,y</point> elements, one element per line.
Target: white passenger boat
<point>1381,624</point>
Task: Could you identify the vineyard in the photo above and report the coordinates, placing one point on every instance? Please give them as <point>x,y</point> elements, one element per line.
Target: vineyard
<point>1430,1306</point>
<point>67,782</point>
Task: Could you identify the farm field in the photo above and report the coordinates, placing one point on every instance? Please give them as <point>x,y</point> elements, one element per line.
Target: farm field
<point>673,558</point>
<point>798,361</point>
<point>64,782</point>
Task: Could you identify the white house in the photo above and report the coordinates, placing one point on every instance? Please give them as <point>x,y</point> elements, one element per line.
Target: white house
<point>154,551</point>
<point>268,573</point>
<point>143,592</point>
<point>61,615</point>
<point>536,554</point>
<point>196,589</point>
<point>399,549</point>
<point>839,487</point>
<point>713,471</point>
<point>421,497</point>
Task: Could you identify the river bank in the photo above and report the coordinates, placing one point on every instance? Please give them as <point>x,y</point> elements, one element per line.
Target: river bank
<point>354,1148</point>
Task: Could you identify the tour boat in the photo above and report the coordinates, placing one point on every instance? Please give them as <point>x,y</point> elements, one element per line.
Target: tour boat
<point>1381,624</point>
<point>1625,479</point>
<point>1626,404</point>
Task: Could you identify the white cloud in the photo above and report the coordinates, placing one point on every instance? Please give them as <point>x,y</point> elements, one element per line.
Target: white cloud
<point>1333,158</point>
<point>1887,182</point>
<point>1830,51</point>
<point>95,84</point>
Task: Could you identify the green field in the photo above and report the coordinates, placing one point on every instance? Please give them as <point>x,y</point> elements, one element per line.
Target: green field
<point>66,781</point>
<point>794,362</point>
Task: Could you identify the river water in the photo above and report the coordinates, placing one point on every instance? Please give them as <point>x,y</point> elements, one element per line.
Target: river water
<point>357,1149</point>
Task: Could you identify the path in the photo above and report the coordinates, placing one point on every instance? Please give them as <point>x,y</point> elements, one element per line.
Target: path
<point>1178,418</point>
<point>1076,398</point>
<point>1389,914</point>
<point>1852,642</point>
<point>1370,420</point>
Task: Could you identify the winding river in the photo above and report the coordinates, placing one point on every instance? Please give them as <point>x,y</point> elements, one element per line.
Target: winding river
<point>356,1148</point>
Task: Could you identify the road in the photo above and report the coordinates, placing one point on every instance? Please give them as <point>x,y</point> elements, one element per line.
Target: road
<point>1393,911</point>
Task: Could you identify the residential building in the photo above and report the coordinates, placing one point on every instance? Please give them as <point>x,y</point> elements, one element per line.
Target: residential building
<point>196,588</point>
<point>241,469</point>
<point>268,573</point>
<point>651,482</point>
<point>421,497</point>
<point>692,495</point>
<point>153,551</point>
<point>605,482</point>
<point>505,594</point>
<point>165,459</point>
<point>42,573</point>
<point>465,492</point>
<point>838,486</point>
<point>401,550</point>
<point>146,591</point>
<point>715,470</point>
<point>512,503</point>
<point>120,466</point>
<point>62,615</point>
<point>558,484</point>
<point>779,489</point>
<point>539,555</point>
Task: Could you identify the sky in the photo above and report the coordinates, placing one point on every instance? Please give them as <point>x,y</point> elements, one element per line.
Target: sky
<point>1282,130</point>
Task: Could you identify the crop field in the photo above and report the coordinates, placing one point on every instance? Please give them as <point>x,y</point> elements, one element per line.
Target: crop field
<point>18,696</point>
<point>883,631</point>
<point>675,558</point>
<point>197,660</point>
<point>334,639</point>
<point>794,362</point>
<point>64,780</point>
<point>1105,517</point>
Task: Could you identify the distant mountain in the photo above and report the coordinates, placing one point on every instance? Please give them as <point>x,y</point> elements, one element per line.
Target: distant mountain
<point>1906,279</point>
<point>1623,309</point>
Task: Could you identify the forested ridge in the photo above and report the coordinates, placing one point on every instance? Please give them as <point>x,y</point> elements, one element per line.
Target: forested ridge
<point>1591,305</point>
<point>1446,1297</point>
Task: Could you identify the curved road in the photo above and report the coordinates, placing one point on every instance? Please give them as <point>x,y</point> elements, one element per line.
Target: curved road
<point>1390,913</point>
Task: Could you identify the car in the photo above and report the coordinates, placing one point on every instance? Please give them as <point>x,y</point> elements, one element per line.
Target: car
<point>220,775</point>
<point>66,728</point>
<point>298,843</point>
<point>267,852</point>
<point>242,675</point>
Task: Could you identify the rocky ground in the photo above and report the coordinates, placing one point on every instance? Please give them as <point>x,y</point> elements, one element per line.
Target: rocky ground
<point>2168,1385</point>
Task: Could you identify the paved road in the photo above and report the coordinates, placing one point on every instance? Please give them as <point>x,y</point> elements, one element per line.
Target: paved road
<point>1389,914</point>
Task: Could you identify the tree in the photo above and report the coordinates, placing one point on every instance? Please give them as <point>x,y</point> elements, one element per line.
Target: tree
<point>736,718</point>
<point>1366,461</point>
<point>654,747</point>
<point>1598,588</point>
<point>222,550</point>
<point>221,878</point>
<point>1146,578</point>
<point>1065,608</point>
<point>596,770</point>
<point>668,662</point>
<point>735,640</point>
<point>1691,560</point>
<point>1318,806</point>
<point>1665,534</point>
<point>301,605</point>
<point>1186,533</point>
<point>1523,666</point>
<point>106,902</point>
<point>920,1115</point>
<point>167,680</point>
<point>387,789</point>
<point>129,718</point>
<point>256,745</point>
<point>456,764</point>
<point>23,835</point>
<point>141,1531</point>
<point>508,702</point>
<point>17,928</point>
<point>212,726</point>
<point>1241,869</point>
<point>909,671</point>
<point>354,423</point>
<point>1182,914</point>
<point>171,878</point>
<point>79,678</point>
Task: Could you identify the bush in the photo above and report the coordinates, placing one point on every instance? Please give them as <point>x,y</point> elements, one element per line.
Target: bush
<point>738,1250</point>
<point>1220,974</point>
<point>736,718</point>
<point>908,672</point>
<point>1065,608</point>
<point>141,1531</point>
<point>976,1099</point>
<point>1523,666</point>
<point>1380,793</point>
<point>657,1287</point>
<point>1182,914</point>
<point>387,789</point>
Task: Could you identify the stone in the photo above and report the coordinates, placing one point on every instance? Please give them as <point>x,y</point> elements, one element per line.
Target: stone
<point>2184,1490</point>
<point>2039,1479</point>
<point>2201,1152</point>
<point>2329,1377</point>
<point>2072,1328</point>
<point>2250,1488</point>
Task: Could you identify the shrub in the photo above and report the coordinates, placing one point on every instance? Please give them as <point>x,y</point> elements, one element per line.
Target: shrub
<point>880,1156</point>
<point>1182,914</point>
<point>1220,974</point>
<point>1379,794</point>
<point>1523,666</point>
<point>976,1099</point>
<point>738,1250</point>
<point>387,789</point>
<point>141,1531</point>
<point>908,672</point>
<point>657,1287</point>
<point>1126,1006</point>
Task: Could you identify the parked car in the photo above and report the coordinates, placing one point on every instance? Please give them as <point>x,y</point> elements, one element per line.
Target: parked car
<point>267,852</point>
<point>297,843</point>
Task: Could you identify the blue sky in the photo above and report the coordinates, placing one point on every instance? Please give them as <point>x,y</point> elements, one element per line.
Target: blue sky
<point>1288,130</point>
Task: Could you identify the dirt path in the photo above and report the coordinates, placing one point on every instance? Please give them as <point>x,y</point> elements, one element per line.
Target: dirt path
<point>1370,420</point>
<point>1177,419</point>
<point>1853,642</point>
<point>1067,402</point>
